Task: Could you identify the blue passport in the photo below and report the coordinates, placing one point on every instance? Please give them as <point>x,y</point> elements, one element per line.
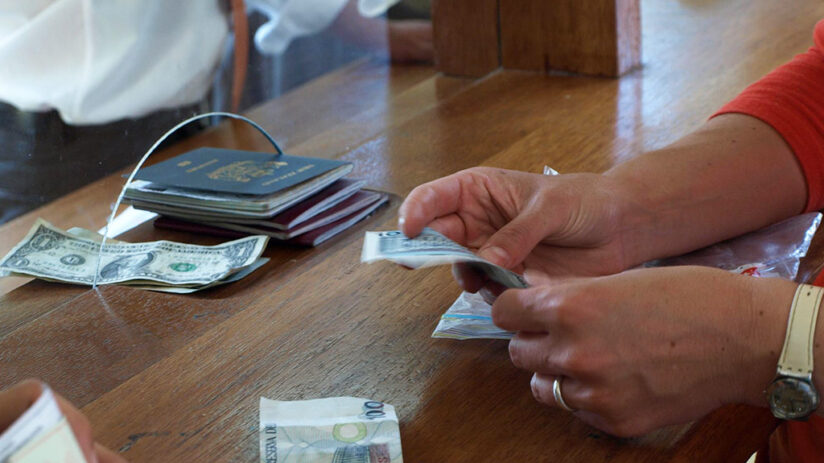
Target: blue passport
<point>239,172</point>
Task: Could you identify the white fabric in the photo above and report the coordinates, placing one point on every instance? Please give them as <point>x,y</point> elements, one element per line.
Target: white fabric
<point>290,19</point>
<point>372,8</point>
<point>97,61</point>
<point>100,60</point>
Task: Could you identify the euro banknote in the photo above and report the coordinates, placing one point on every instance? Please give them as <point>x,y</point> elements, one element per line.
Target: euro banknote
<point>331,430</point>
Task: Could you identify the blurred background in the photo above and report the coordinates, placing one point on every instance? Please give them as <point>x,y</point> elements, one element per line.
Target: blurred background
<point>87,87</point>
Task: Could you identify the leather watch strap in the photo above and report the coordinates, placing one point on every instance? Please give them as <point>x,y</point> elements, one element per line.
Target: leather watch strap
<point>797,355</point>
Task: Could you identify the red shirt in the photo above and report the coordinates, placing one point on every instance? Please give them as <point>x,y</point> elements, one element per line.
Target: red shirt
<point>791,100</point>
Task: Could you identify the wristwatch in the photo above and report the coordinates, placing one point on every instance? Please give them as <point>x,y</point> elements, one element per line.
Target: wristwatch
<point>792,394</point>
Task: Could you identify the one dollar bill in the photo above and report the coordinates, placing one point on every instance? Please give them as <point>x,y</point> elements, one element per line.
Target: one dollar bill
<point>53,254</point>
<point>431,248</point>
<point>332,430</point>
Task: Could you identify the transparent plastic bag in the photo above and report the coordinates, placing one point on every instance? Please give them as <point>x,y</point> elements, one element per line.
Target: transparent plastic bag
<point>774,251</point>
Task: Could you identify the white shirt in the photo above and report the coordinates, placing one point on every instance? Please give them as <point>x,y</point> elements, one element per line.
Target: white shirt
<point>289,19</point>
<point>96,61</point>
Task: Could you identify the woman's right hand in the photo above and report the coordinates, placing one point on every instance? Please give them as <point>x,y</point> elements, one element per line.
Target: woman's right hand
<point>558,226</point>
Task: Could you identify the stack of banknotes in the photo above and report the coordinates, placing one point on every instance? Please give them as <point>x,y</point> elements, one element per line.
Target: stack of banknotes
<point>470,317</point>
<point>431,248</point>
<point>51,254</point>
<point>332,430</point>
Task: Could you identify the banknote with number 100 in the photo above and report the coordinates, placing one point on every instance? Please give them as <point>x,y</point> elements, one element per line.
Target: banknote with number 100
<point>332,430</point>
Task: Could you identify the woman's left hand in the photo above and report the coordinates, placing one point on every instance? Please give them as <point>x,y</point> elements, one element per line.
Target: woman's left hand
<point>650,347</point>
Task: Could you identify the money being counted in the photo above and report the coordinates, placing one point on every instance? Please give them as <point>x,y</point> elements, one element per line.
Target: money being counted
<point>52,254</point>
<point>333,430</point>
<point>469,317</point>
<point>428,249</point>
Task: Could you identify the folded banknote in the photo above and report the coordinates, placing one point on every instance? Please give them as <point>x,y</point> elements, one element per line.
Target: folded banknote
<point>40,434</point>
<point>331,430</point>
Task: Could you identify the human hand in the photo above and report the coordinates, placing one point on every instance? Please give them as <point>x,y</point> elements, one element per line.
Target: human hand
<point>18,398</point>
<point>410,41</point>
<point>566,225</point>
<point>651,347</point>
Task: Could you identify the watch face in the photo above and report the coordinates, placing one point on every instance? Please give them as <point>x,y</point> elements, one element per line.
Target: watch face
<point>792,398</point>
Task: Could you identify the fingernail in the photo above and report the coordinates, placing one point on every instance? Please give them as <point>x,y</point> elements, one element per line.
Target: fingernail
<point>533,385</point>
<point>495,255</point>
<point>401,221</point>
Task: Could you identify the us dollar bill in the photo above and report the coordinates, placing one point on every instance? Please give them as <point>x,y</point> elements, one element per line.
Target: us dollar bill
<point>231,278</point>
<point>53,254</point>
<point>331,430</point>
<point>428,249</point>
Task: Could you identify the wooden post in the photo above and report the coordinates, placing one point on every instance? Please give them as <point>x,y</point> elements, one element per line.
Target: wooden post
<point>596,37</point>
<point>466,36</point>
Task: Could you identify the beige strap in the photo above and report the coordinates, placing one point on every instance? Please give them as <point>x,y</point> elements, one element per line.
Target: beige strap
<point>797,355</point>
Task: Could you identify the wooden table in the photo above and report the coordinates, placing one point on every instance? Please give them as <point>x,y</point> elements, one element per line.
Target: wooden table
<point>177,378</point>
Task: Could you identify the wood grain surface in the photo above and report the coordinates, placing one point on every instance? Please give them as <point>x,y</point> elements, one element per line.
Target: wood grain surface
<point>595,37</point>
<point>466,38</point>
<point>178,378</point>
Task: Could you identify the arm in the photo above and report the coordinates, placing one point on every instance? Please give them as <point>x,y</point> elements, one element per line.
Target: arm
<point>742,170</point>
<point>748,166</point>
<point>734,175</point>
<point>645,348</point>
<point>652,347</point>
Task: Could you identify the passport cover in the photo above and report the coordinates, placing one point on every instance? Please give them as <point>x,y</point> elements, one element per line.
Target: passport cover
<point>314,205</point>
<point>234,171</point>
<point>319,235</point>
<point>312,238</point>
<point>354,203</point>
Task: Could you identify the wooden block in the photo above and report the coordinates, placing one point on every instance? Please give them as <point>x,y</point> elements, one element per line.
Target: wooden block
<point>466,36</point>
<point>596,37</point>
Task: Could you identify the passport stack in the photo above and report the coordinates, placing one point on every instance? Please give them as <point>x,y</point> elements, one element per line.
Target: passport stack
<point>232,193</point>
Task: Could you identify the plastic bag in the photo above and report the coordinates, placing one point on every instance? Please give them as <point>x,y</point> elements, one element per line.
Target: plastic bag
<point>774,251</point>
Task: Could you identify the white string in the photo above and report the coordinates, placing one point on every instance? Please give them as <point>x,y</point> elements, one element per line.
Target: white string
<point>146,156</point>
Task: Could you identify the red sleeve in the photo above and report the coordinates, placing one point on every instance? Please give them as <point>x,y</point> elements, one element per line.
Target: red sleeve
<point>791,100</point>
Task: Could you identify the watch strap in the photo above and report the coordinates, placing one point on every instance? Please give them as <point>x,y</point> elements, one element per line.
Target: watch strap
<point>797,355</point>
